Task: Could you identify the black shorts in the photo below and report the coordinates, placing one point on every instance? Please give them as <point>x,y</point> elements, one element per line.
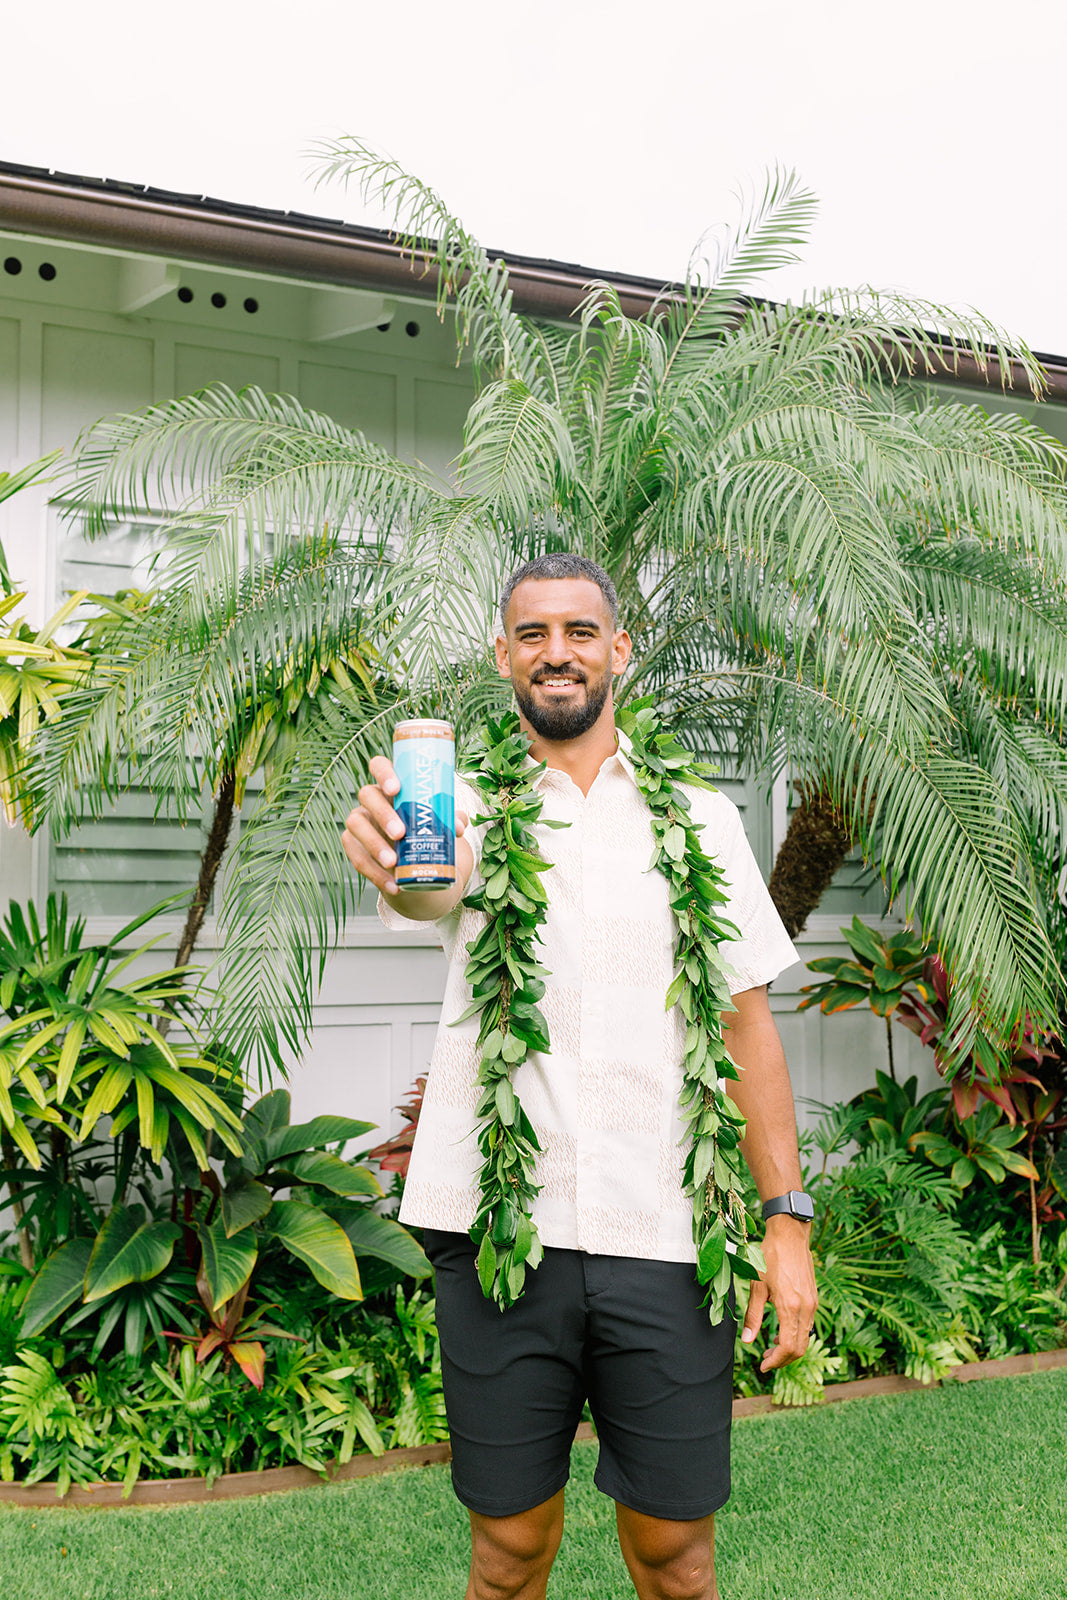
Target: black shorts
<point>630,1336</point>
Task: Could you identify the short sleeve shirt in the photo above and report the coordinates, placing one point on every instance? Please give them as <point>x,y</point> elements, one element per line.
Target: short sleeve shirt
<point>604,1099</point>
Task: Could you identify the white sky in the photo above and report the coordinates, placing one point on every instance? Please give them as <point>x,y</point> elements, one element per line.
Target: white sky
<point>607,134</point>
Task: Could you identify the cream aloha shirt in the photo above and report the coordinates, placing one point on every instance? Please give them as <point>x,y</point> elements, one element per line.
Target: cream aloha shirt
<point>604,1102</point>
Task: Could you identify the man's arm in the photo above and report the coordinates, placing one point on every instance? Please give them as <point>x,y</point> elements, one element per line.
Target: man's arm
<point>764,1097</point>
<point>369,842</point>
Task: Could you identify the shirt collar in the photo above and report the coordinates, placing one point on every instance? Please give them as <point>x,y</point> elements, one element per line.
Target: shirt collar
<point>622,758</point>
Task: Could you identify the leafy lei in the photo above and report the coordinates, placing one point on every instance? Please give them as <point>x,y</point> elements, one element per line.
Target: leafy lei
<point>507,982</point>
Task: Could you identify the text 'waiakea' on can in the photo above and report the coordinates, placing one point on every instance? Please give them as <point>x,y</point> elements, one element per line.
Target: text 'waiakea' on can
<point>424,759</point>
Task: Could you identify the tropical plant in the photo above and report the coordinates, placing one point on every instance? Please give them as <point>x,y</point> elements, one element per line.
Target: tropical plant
<point>371,1382</point>
<point>122,1272</point>
<point>394,1154</point>
<point>79,1046</point>
<point>236,1333</point>
<point>900,977</point>
<point>36,671</point>
<point>819,566</point>
<point>915,1272</point>
<point>882,972</point>
<point>888,1257</point>
<point>981,1142</point>
<point>1018,1303</point>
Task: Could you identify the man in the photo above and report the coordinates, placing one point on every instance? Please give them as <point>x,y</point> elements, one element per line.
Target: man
<point>613,1314</point>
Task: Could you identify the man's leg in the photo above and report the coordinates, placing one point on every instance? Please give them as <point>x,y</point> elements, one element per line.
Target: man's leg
<point>511,1557</point>
<point>668,1560</point>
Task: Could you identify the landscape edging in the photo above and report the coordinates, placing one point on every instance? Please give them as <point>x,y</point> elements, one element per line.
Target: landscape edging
<point>239,1485</point>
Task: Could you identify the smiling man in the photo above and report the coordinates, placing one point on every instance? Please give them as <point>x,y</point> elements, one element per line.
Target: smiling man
<point>614,1313</point>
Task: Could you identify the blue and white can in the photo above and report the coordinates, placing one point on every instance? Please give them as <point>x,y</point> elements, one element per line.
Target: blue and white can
<point>424,759</point>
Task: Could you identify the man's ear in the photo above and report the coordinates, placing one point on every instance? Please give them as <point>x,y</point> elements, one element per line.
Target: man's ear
<point>503,660</point>
<point>621,646</point>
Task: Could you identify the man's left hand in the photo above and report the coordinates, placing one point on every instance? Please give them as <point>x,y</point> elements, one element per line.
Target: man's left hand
<point>789,1285</point>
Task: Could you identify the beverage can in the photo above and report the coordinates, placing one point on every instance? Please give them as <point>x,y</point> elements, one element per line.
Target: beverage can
<point>424,759</point>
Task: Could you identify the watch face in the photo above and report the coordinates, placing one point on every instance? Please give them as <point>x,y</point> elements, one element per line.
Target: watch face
<point>801,1205</point>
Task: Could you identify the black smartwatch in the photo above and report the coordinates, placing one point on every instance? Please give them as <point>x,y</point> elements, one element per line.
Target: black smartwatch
<point>796,1202</point>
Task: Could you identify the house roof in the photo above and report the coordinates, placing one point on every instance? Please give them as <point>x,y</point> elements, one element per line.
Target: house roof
<point>109,213</point>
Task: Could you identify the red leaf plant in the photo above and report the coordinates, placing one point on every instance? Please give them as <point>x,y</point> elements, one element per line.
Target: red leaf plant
<point>395,1153</point>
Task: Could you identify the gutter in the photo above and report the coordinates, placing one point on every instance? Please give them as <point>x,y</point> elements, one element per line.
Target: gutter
<point>125,217</point>
<point>281,243</point>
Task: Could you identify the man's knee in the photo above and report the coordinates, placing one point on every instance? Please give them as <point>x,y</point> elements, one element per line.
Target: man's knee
<point>669,1560</point>
<point>512,1556</point>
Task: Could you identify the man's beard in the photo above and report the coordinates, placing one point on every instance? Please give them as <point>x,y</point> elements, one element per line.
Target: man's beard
<point>564,720</point>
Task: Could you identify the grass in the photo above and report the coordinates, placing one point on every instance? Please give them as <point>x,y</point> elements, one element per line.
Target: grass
<point>958,1494</point>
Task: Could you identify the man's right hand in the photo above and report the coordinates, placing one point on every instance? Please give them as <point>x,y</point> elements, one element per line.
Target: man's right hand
<point>370,838</point>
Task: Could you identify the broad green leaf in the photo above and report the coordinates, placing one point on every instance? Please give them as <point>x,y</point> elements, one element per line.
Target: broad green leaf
<point>243,1202</point>
<point>146,1106</point>
<point>160,1132</point>
<point>372,1235</point>
<point>192,1132</point>
<point>328,1172</point>
<point>128,1252</point>
<point>842,997</point>
<point>317,1240</point>
<point>1017,1163</point>
<point>38,1041</point>
<point>864,942</point>
<point>311,1135</point>
<point>57,1285</point>
<point>122,1119</point>
<point>269,1113</point>
<point>227,1261</point>
<point>107,1036</point>
<point>203,1103</point>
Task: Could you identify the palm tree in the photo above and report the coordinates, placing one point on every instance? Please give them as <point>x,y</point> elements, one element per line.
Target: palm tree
<point>821,568</point>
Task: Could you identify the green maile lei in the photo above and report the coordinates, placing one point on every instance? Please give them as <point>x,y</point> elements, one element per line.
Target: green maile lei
<point>507,982</point>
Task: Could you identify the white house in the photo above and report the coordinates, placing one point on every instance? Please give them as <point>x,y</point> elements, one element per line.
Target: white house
<point>112,297</point>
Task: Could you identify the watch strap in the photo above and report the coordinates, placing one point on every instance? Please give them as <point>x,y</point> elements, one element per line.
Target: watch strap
<point>795,1202</point>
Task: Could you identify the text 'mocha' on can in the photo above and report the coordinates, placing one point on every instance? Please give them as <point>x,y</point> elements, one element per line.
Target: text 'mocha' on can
<point>424,759</point>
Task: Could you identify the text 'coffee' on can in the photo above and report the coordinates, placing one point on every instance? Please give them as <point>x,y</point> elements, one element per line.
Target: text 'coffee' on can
<point>424,759</point>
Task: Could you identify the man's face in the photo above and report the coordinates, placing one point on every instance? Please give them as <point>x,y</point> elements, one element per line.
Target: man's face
<point>561,653</point>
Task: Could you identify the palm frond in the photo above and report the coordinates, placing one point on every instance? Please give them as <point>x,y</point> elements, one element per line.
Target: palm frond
<point>947,842</point>
<point>517,452</point>
<point>465,274</point>
<point>290,888</point>
<point>994,616</point>
<point>998,479</point>
<point>772,226</point>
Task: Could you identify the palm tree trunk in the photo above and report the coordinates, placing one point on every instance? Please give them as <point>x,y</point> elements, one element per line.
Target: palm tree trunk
<point>210,862</point>
<point>813,849</point>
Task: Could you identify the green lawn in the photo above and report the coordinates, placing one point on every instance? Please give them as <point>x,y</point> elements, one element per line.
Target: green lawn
<point>958,1494</point>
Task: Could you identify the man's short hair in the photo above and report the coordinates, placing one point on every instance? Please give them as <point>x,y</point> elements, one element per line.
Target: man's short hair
<point>561,564</point>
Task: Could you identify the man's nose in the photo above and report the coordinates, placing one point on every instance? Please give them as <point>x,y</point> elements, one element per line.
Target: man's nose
<point>557,648</point>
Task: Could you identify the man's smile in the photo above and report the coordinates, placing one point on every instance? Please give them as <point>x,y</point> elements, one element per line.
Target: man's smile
<point>557,683</point>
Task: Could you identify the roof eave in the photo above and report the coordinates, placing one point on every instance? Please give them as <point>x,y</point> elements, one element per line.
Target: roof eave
<point>313,249</point>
